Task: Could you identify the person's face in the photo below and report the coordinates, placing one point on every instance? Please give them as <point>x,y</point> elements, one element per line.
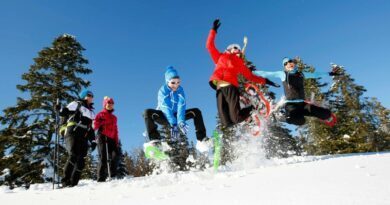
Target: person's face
<point>89,99</point>
<point>290,65</point>
<point>109,106</point>
<point>174,83</point>
<point>235,50</point>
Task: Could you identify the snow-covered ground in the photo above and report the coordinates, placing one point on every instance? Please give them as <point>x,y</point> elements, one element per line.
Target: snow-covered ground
<point>343,179</point>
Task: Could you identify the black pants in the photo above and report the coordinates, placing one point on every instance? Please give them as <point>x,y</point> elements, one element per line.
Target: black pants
<point>228,103</point>
<point>296,112</point>
<point>77,147</point>
<point>113,157</point>
<point>157,116</point>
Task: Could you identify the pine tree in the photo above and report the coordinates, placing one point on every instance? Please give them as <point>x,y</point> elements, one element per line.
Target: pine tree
<point>90,169</point>
<point>378,118</point>
<point>122,169</point>
<point>29,127</point>
<point>352,131</point>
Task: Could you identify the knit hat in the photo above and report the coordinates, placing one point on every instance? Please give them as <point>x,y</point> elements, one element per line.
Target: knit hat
<point>107,100</point>
<point>171,73</point>
<point>84,93</point>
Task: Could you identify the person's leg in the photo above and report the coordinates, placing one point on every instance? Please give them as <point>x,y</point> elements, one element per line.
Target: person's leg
<point>71,161</point>
<point>223,109</point>
<point>82,150</point>
<point>316,111</point>
<point>102,166</point>
<point>295,113</point>
<point>114,154</point>
<point>200,129</point>
<point>232,97</point>
<point>152,116</point>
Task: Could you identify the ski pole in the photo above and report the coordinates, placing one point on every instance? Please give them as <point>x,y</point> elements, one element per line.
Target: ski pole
<point>55,163</point>
<point>108,160</point>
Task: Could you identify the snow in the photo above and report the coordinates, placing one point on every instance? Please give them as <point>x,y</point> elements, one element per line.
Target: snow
<point>340,179</point>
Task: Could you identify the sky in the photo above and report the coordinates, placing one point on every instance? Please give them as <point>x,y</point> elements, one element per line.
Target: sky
<point>130,43</point>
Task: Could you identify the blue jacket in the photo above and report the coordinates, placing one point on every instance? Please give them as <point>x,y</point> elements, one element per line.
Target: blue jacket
<point>172,103</point>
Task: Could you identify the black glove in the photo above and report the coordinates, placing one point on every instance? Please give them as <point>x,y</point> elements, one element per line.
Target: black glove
<point>335,71</point>
<point>216,24</point>
<point>268,82</point>
<point>334,74</point>
<point>93,145</point>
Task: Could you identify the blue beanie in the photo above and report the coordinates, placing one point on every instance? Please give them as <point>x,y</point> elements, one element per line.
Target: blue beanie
<point>84,93</point>
<point>171,73</point>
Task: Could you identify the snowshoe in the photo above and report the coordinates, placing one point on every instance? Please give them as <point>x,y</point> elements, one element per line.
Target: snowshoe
<point>156,149</point>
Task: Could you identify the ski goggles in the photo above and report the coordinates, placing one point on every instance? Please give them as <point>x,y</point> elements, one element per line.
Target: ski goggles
<point>174,82</point>
<point>233,47</point>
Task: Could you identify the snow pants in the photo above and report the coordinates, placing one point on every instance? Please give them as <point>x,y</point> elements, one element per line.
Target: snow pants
<point>113,157</point>
<point>296,112</point>
<point>77,147</point>
<point>157,116</point>
<point>228,103</point>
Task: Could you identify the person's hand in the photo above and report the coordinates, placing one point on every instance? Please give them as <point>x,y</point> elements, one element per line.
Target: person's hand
<point>174,132</point>
<point>184,127</point>
<point>271,83</point>
<point>336,71</point>
<point>216,25</point>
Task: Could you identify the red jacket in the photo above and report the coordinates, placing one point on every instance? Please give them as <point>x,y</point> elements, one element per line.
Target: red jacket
<point>106,123</point>
<point>228,66</point>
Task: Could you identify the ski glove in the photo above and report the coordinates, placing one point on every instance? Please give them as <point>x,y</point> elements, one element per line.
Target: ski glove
<point>335,71</point>
<point>334,74</point>
<point>268,82</point>
<point>93,145</point>
<point>174,132</point>
<point>216,24</point>
<point>184,127</point>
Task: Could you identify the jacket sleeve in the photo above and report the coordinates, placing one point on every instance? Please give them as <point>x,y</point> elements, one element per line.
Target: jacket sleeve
<point>315,74</point>
<point>165,105</point>
<point>116,135</point>
<point>181,107</point>
<point>250,76</point>
<point>210,45</point>
<point>267,74</point>
<point>98,122</point>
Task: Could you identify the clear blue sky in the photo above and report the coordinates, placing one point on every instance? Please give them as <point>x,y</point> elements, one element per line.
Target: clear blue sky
<point>129,44</point>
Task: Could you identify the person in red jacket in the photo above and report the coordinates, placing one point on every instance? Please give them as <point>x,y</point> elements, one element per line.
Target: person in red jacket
<point>228,66</point>
<point>108,141</point>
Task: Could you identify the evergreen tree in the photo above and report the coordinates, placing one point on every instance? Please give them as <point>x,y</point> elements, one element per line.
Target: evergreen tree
<point>90,169</point>
<point>378,118</point>
<point>122,169</point>
<point>28,128</point>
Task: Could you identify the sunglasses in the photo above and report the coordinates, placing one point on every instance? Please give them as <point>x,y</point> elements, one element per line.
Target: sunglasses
<point>89,95</point>
<point>290,61</point>
<point>174,82</point>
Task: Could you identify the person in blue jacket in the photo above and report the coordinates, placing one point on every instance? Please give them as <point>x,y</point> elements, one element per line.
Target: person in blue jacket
<point>171,110</point>
<point>293,82</point>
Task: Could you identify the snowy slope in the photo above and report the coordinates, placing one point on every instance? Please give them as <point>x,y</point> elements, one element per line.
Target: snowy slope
<point>343,179</point>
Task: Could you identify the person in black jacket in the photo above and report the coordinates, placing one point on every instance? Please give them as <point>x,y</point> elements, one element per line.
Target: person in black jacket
<point>79,116</point>
<point>293,83</point>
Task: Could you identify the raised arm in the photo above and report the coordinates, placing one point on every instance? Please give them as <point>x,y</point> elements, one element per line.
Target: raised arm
<point>210,44</point>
